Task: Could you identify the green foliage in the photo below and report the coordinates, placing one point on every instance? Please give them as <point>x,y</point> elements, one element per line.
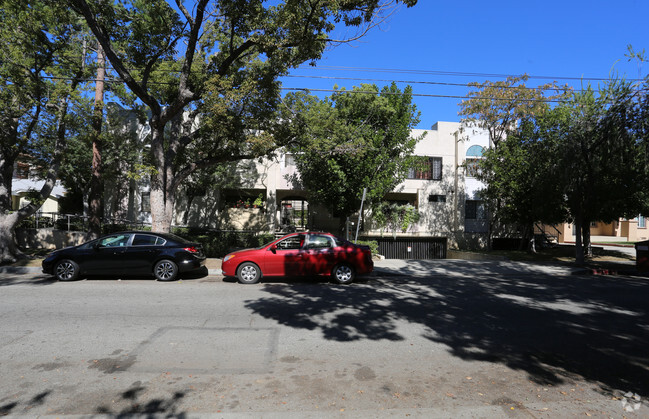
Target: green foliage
<point>217,63</point>
<point>217,244</point>
<point>373,244</point>
<point>395,217</point>
<point>353,140</point>
<point>584,160</point>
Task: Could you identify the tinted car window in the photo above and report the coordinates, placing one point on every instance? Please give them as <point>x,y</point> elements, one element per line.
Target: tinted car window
<point>340,242</point>
<point>147,240</point>
<point>118,240</point>
<point>319,242</point>
<point>293,242</point>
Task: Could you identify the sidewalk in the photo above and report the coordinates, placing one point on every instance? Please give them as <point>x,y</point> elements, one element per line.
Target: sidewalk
<point>464,268</point>
<point>437,267</point>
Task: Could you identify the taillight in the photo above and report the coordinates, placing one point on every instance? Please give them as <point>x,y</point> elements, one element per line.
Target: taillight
<point>191,249</point>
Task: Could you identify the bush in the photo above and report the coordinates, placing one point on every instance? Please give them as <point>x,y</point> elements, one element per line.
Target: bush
<point>217,244</point>
<point>373,244</point>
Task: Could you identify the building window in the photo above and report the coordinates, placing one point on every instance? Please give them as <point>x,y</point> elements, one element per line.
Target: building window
<point>472,167</point>
<point>642,222</point>
<point>426,168</point>
<point>289,160</point>
<point>146,201</point>
<point>436,198</point>
<point>474,210</point>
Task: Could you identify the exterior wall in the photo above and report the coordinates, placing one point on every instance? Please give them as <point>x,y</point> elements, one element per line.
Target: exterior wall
<point>622,230</point>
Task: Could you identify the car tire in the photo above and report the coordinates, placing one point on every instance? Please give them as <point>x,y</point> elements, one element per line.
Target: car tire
<point>66,270</point>
<point>165,270</point>
<point>343,274</point>
<point>248,273</point>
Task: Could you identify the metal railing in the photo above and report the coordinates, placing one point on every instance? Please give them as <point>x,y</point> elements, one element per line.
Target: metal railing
<point>76,222</point>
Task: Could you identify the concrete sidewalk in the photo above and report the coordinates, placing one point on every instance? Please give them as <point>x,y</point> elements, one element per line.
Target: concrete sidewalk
<point>469,268</point>
<point>427,268</point>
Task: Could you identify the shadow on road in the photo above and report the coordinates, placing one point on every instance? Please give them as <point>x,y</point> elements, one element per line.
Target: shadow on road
<point>554,328</point>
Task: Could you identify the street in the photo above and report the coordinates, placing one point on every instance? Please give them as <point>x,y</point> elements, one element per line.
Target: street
<point>526,344</point>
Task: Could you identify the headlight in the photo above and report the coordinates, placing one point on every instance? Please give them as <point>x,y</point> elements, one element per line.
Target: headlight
<point>227,258</point>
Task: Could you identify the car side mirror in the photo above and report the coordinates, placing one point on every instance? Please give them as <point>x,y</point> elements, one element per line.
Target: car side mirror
<point>273,248</point>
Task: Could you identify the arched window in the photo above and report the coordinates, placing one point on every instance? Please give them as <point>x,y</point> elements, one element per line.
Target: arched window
<point>475,151</point>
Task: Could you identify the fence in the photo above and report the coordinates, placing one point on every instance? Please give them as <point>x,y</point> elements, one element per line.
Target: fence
<point>412,248</point>
<point>76,222</point>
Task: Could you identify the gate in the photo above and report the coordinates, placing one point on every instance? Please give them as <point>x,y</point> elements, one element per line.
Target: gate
<point>412,247</point>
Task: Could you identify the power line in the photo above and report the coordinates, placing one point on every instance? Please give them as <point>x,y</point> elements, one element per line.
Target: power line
<point>305,89</point>
<point>453,73</point>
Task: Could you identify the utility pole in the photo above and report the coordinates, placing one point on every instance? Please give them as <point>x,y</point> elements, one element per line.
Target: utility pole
<point>95,197</point>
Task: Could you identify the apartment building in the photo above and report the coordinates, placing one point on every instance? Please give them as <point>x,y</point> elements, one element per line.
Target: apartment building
<point>267,198</point>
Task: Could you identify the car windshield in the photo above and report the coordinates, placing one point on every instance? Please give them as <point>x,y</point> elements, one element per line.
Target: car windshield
<point>88,245</point>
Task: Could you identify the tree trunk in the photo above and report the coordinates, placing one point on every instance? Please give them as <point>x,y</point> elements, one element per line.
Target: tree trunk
<point>96,204</point>
<point>9,251</point>
<point>579,249</point>
<point>163,196</point>
<point>7,160</point>
<point>588,248</point>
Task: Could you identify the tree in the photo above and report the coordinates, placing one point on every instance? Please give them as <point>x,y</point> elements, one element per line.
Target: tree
<point>600,152</point>
<point>524,177</point>
<point>208,73</point>
<point>41,69</point>
<point>500,107</point>
<point>353,140</point>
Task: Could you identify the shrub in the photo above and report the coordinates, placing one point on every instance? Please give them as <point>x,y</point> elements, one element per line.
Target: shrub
<point>373,244</point>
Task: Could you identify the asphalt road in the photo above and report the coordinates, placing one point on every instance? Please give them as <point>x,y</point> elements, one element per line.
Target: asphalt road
<point>476,345</point>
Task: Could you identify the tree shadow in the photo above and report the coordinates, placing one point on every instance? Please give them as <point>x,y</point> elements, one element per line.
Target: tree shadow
<point>167,406</point>
<point>131,402</point>
<point>9,279</point>
<point>554,328</point>
<point>36,400</point>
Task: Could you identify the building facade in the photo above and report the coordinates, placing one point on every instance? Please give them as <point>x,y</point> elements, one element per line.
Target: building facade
<point>267,198</point>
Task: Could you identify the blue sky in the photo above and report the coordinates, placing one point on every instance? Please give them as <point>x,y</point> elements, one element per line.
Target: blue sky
<point>556,39</point>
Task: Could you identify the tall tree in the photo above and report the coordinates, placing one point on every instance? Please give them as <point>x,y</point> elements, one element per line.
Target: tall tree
<point>523,176</point>
<point>217,59</point>
<point>600,153</point>
<point>41,69</point>
<point>351,141</point>
<point>501,107</point>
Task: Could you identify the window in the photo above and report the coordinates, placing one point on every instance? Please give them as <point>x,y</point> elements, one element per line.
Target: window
<point>291,243</point>
<point>118,240</point>
<point>436,198</point>
<point>472,167</point>
<point>642,221</point>
<point>317,241</point>
<point>289,160</point>
<point>146,201</point>
<point>427,168</point>
<point>474,210</point>
<point>146,240</point>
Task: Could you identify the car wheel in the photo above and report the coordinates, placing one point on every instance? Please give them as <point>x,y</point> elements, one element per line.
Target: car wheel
<point>66,270</point>
<point>248,273</point>
<point>343,274</point>
<point>165,270</point>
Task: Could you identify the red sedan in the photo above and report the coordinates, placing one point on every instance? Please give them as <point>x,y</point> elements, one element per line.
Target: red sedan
<point>300,254</point>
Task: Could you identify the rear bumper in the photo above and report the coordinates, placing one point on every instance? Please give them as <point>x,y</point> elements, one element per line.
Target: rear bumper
<point>187,265</point>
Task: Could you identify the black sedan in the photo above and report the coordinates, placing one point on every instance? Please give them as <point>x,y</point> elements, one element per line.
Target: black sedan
<point>128,253</point>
